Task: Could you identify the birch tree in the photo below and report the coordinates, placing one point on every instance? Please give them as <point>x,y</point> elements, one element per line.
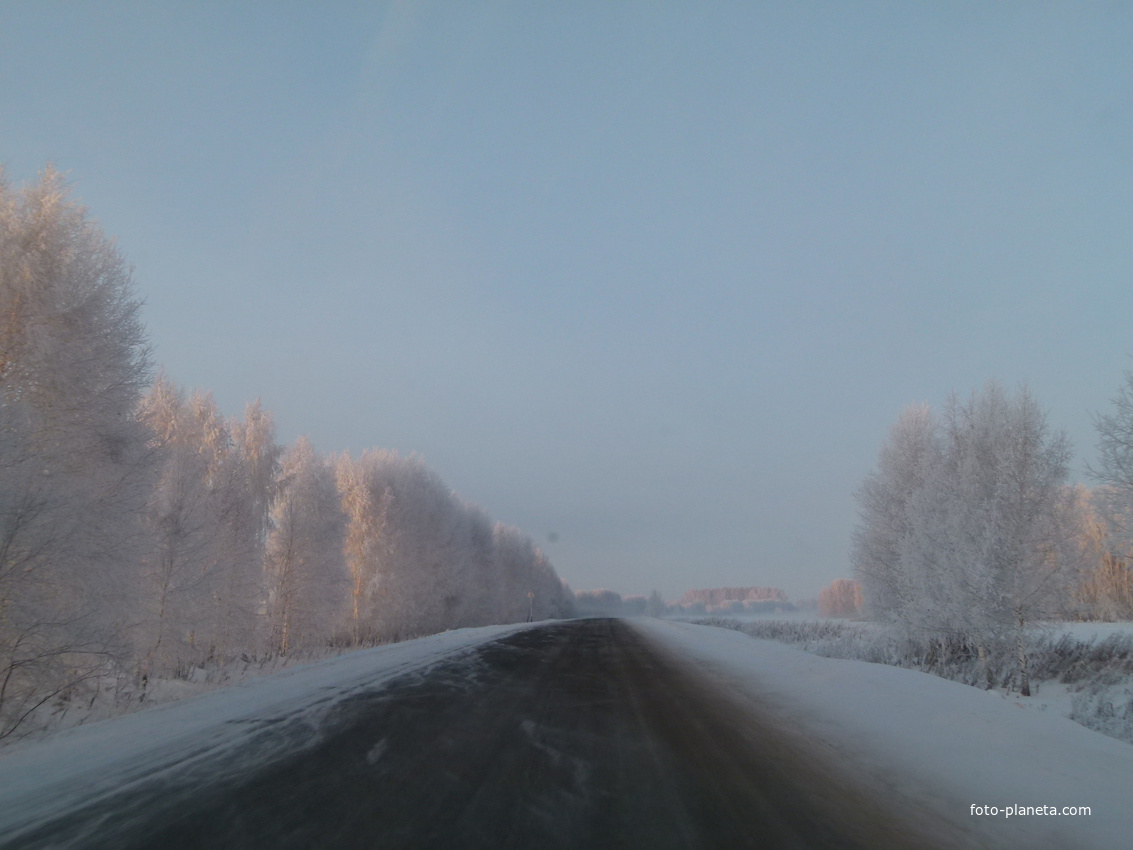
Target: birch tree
<point>1111,586</point>
<point>177,571</point>
<point>306,571</point>
<point>244,459</point>
<point>366,505</point>
<point>884,501</point>
<point>1114,467</point>
<point>422,560</point>
<point>1105,585</point>
<point>73,462</point>
<point>1016,467</point>
<point>971,548</point>
<point>426,577</point>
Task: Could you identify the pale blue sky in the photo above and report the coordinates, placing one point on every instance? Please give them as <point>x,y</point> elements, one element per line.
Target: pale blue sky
<point>655,277</point>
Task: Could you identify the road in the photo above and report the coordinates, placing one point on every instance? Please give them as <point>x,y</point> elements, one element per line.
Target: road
<point>577,734</point>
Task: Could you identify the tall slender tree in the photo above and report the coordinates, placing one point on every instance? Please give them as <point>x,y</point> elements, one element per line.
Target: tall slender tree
<point>245,467</point>
<point>306,572</point>
<point>1115,446</point>
<point>884,499</point>
<point>177,570</point>
<point>73,460</point>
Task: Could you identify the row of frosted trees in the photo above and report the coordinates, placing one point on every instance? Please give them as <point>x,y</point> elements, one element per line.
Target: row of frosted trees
<point>253,545</point>
<point>969,534</point>
<point>141,531</point>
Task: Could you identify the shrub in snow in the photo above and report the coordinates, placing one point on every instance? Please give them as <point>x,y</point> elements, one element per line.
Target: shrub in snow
<point>1105,708</point>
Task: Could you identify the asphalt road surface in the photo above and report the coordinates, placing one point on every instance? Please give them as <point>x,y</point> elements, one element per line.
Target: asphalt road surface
<point>572,735</point>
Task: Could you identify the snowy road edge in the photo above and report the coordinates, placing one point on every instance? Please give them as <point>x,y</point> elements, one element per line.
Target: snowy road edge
<point>928,746</point>
<point>40,780</point>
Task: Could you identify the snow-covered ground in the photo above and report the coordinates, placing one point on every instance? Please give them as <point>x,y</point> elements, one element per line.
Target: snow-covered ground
<point>934,747</point>
<point>78,765</point>
<point>1083,671</point>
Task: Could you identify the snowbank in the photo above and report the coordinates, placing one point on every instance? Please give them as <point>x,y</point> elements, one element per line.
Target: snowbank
<point>934,747</point>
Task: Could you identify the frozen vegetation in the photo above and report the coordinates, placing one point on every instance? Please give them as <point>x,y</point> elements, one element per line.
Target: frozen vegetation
<point>970,540</point>
<point>146,539</point>
<point>973,559</point>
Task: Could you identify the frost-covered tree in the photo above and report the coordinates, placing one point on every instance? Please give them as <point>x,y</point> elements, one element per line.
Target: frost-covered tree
<point>883,504</point>
<point>207,519</point>
<point>552,600</point>
<point>244,465</point>
<point>422,560</point>
<point>1013,469</point>
<point>841,598</point>
<point>73,463</point>
<point>146,522</point>
<point>529,586</point>
<point>1115,446</point>
<point>946,551</point>
<point>177,572</point>
<point>972,549</point>
<point>306,572</point>
<point>1105,586</point>
<point>483,601</point>
<point>1113,506</point>
<point>426,576</point>
<point>367,541</point>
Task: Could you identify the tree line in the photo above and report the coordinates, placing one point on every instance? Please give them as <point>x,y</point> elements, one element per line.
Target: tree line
<point>142,532</point>
<point>969,534</point>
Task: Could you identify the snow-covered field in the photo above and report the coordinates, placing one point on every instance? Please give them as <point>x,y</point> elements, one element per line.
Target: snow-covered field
<point>934,747</point>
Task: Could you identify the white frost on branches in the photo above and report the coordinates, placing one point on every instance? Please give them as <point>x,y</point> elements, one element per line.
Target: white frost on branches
<point>74,468</point>
<point>962,523</point>
<point>142,532</point>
